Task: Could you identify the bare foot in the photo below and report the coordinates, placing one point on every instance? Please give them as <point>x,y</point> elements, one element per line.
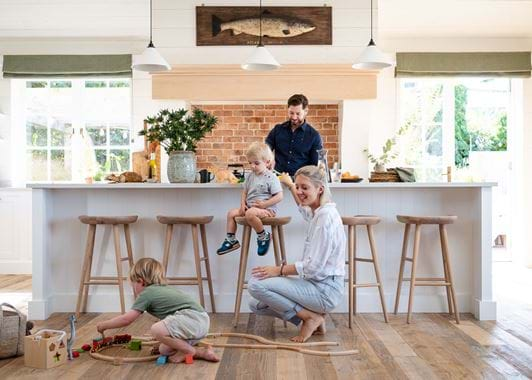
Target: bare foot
<point>321,330</point>
<point>206,353</point>
<point>166,350</point>
<point>178,357</point>
<point>308,327</point>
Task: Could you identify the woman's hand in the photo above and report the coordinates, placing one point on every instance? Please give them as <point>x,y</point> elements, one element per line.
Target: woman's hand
<point>265,272</point>
<point>285,179</point>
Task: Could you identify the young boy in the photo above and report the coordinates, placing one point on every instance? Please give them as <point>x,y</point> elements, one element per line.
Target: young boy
<point>183,320</point>
<point>262,191</point>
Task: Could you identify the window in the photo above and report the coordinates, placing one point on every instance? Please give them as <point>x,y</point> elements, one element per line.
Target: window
<point>447,119</point>
<point>73,128</point>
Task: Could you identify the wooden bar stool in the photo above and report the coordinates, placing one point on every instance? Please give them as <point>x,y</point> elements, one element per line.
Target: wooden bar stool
<point>351,222</point>
<point>278,248</point>
<point>86,278</point>
<point>194,222</point>
<point>446,281</point>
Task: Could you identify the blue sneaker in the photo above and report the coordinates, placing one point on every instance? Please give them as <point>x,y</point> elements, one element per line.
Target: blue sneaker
<point>228,246</point>
<point>263,244</point>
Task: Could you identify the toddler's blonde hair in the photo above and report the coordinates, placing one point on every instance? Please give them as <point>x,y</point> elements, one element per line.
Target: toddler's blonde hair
<point>259,151</point>
<point>148,270</point>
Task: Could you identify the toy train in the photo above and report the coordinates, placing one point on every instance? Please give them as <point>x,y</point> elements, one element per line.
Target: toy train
<point>99,343</point>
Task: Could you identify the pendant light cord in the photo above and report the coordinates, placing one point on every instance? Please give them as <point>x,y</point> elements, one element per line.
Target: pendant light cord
<point>151,28</point>
<point>371,20</point>
<point>260,23</point>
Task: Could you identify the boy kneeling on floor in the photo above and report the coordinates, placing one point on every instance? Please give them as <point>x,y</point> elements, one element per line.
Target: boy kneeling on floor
<point>183,322</point>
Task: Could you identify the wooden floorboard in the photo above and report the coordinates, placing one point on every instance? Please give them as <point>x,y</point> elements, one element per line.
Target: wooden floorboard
<point>431,347</point>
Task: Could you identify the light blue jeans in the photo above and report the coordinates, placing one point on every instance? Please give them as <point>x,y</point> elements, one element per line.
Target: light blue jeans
<point>284,297</point>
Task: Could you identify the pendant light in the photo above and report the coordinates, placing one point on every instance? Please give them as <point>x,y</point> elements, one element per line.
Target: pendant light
<point>372,58</point>
<point>261,59</point>
<point>151,60</point>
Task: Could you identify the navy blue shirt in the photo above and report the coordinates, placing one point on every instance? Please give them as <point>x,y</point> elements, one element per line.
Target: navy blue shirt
<point>294,149</point>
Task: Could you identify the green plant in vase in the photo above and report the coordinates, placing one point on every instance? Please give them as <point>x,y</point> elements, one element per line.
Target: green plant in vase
<point>178,132</point>
<point>388,154</point>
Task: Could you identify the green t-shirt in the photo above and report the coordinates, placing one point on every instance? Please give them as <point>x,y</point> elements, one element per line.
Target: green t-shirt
<point>161,301</point>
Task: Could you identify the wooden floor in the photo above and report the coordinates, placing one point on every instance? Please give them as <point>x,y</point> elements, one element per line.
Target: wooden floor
<point>433,346</point>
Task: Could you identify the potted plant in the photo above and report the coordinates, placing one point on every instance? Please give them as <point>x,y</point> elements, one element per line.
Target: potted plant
<point>388,154</point>
<point>178,132</point>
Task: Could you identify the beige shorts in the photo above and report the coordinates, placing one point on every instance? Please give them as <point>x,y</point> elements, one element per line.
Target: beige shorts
<point>188,324</point>
<point>264,212</point>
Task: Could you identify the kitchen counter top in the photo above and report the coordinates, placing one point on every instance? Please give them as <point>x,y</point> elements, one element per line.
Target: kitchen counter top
<point>364,184</point>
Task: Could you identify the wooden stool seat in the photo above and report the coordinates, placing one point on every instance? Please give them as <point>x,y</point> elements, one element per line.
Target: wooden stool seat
<point>194,222</point>
<point>269,221</point>
<point>351,222</point>
<point>184,219</point>
<point>447,280</point>
<point>85,219</point>
<point>448,219</point>
<point>87,279</point>
<point>276,224</point>
<point>360,220</point>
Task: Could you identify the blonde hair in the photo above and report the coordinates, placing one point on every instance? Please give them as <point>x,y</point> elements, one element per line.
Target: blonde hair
<point>259,151</point>
<point>318,177</point>
<point>148,270</point>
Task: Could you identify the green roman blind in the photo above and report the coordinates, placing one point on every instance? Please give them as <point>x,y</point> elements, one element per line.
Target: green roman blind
<point>478,64</point>
<point>43,66</point>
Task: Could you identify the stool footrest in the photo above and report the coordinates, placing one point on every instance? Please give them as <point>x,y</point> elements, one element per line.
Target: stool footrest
<point>425,279</point>
<point>408,259</point>
<point>366,285</point>
<point>124,258</point>
<point>363,260</point>
<point>432,283</point>
<point>102,282</point>
<point>124,278</point>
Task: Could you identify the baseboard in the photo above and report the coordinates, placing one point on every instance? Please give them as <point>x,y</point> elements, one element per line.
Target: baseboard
<point>15,267</point>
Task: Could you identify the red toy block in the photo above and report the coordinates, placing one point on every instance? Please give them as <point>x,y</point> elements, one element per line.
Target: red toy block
<point>86,347</point>
<point>75,354</point>
<point>189,359</point>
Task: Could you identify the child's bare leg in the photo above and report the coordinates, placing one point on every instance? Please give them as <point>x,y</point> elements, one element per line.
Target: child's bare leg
<point>252,217</point>
<point>231,224</point>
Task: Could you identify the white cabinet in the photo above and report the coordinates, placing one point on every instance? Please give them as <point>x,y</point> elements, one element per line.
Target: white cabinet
<point>15,231</point>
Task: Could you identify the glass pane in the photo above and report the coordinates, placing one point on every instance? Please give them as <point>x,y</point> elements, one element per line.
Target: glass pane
<point>119,160</point>
<point>97,133</point>
<point>101,158</point>
<point>61,133</point>
<point>119,135</point>
<point>36,84</point>
<point>119,83</point>
<point>36,165</point>
<point>95,84</point>
<point>60,84</point>
<point>36,131</point>
<point>433,140</point>
<point>61,165</point>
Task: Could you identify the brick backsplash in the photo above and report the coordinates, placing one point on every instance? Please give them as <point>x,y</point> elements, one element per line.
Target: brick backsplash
<point>240,124</point>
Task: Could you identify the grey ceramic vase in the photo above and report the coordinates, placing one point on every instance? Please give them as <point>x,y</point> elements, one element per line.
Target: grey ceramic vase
<point>181,167</point>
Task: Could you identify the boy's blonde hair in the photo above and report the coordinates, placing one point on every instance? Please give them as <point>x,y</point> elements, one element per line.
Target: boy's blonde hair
<point>148,270</point>
<point>259,151</point>
<point>318,177</point>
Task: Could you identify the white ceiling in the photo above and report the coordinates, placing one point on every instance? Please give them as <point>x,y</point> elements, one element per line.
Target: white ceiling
<point>455,18</point>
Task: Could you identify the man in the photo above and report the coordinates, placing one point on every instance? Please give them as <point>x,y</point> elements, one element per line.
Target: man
<point>294,142</point>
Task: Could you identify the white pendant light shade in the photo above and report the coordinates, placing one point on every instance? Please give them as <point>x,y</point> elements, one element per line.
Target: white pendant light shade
<point>372,59</point>
<point>261,60</point>
<point>150,60</point>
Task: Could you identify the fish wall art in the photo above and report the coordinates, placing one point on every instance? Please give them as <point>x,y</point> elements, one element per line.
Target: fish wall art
<point>280,25</point>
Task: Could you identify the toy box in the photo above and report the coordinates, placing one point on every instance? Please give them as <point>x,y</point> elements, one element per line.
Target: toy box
<point>45,349</point>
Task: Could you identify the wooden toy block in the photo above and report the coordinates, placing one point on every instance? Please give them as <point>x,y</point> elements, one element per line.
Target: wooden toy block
<point>86,347</point>
<point>189,359</point>
<point>135,345</point>
<point>75,354</point>
<point>161,360</point>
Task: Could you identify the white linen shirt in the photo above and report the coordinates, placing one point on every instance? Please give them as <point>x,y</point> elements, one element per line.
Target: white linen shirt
<point>324,250</point>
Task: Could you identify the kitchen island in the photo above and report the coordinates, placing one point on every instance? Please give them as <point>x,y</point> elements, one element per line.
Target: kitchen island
<point>59,240</point>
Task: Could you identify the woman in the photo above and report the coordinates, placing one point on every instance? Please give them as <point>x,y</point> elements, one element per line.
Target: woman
<point>319,286</point>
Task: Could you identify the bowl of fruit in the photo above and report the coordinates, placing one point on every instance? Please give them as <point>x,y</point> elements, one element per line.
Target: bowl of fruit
<point>348,177</point>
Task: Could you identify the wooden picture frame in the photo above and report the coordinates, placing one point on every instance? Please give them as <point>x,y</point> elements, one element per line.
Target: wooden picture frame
<point>216,26</point>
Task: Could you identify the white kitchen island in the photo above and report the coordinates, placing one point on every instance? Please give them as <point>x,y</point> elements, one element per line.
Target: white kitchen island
<point>59,240</point>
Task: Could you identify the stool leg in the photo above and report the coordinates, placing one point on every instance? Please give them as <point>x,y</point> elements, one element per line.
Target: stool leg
<point>119,267</point>
<point>446,276</point>
<point>246,236</point>
<point>417,236</point>
<point>445,249</point>
<point>89,271</point>
<point>207,264</point>
<point>197,260</point>
<point>281,243</point>
<point>83,276</point>
<point>401,267</point>
<point>128,245</point>
<point>351,262</point>
<point>275,241</point>
<point>167,242</point>
<point>373,249</point>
